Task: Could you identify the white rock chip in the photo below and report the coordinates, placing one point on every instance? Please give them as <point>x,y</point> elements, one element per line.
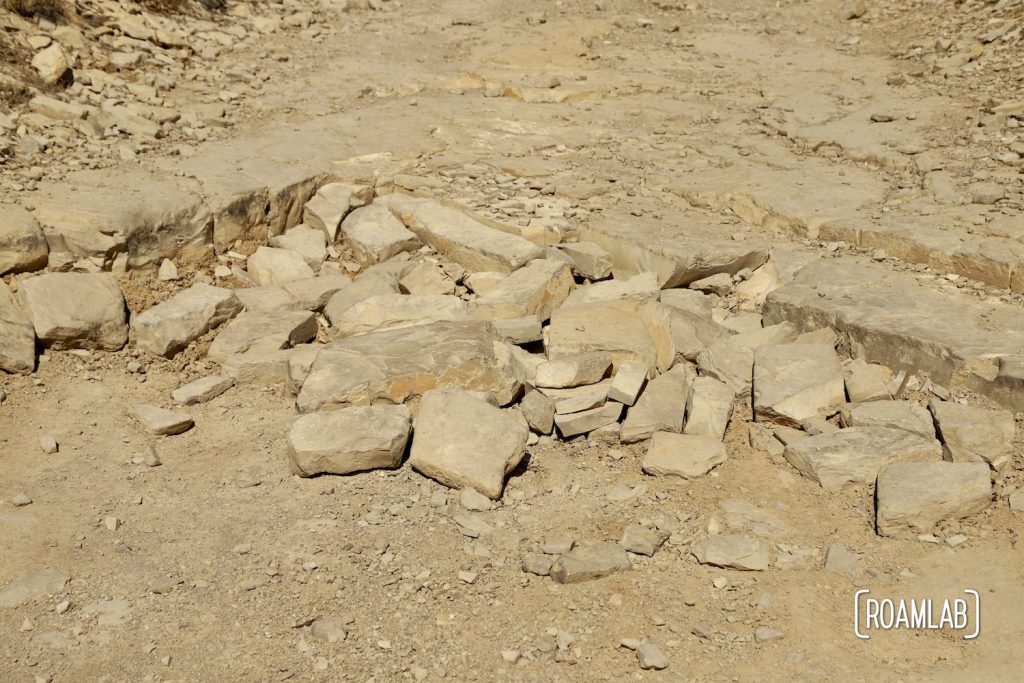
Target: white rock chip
<point>76,310</point>
<point>349,440</point>
<point>170,326</point>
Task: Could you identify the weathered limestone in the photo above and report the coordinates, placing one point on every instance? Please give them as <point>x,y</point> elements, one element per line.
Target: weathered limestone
<point>709,408</point>
<point>854,455</point>
<point>589,260</point>
<point>361,289</point>
<point>375,235</point>
<point>17,337</point>
<point>972,434</point>
<point>573,371</point>
<point>733,552</point>
<point>662,405</point>
<point>307,242</point>
<point>484,281</point>
<point>682,455</point>
<point>328,207</point>
<point>267,298</point>
<point>349,440</point>
<point>202,390</point>
<point>642,540</point>
<point>396,365</point>
<point>692,332</point>
<point>589,562</point>
<point>640,289</point>
<point>52,63</point>
<point>907,415</point>
<point>481,457</point>
<point>271,266</point>
<point>279,329</point>
<point>719,283</point>
<point>428,278</point>
<point>585,421</point>
<point>730,359</point>
<point>461,238</point>
<point>520,330</point>
<point>793,382</point>
<point>259,365</point>
<point>388,311</point>
<point>627,384</point>
<point>687,300</point>
<point>312,294</point>
<point>539,411</point>
<point>159,421</point>
<point>75,310</point>
<point>23,245</point>
<point>578,399</point>
<point>170,326</point>
<point>753,291</point>
<point>912,497</point>
<point>867,382</point>
<point>537,289</point>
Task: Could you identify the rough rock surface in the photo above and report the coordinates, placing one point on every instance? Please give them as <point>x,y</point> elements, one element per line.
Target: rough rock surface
<point>973,434</point>
<point>349,440</point>
<point>662,405</point>
<point>708,408</point>
<point>537,289</point>
<point>267,330</point>
<point>76,310</point>
<point>913,417</point>
<point>375,235</point>
<point>17,336</point>
<point>683,455</point>
<point>388,311</point>
<point>912,497</point>
<point>169,327</point>
<point>589,562</point>
<point>23,245</point>
<point>733,552</point>
<point>794,382</point>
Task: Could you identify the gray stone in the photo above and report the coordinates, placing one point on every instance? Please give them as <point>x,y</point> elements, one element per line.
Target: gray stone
<point>589,562</point>
<point>708,408</point>
<point>972,434</point>
<point>907,415</point>
<point>349,440</point>
<point>682,455</point>
<point>912,497</point>
<point>202,390</point>
<point>662,405</point>
<point>329,629</point>
<point>733,552</point>
<point>793,382</point>
<point>264,330</point>
<point>23,245</point>
<point>161,422</point>
<point>75,310</point>
<point>17,336</point>
<point>650,656</point>
<point>169,327</point>
<point>538,564</point>
<point>840,560</point>
<point>374,235</point>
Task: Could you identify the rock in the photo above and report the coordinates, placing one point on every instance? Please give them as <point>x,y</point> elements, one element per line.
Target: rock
<point>75,310</point>
<point>906,415</point>
<point>855,455</point>
<point>912,497</point>
<point>742,515</point>
<point>202,390</point>
<point>52,64</point>
<point>852,9</point>
<point>650,656</point>
<point>361,289</point>
<point>762,282</point>
<point>585,421</point>
<point>766,635</point>
<point>708,408</point>
<point>329,630</point>
<point>23,245</point>
<point>460,237</point>
<point>396,365</point>
<point>169,327</point>
<point>733,552</point>
<point>589,562</point>
<point>161,422</point>
<point>539,411</point>
<point>1016,501</point>
<point>388,311</point>
<point>822,335</point>
<point>589,260</point>
<point>57,109</point>
<point>578,399</point>
<point>640,289</point>
<point>48,445</point>
<point>271,266</point>
<point>682,455</point>
<point>259,366</point>
<point>662,405</point>
<point>840,560</point>
<point>151,457</point>
<point>538,288</point>
<point>267,298</point>
<point>168,271</point>
<point>763,439</point>
<point>331,203</point>
<point>263,330</point>
<point>693,332</point>
<point>793,382</point>
<point>309,243</point>
<point>474,501</point>
<point>688,300</point>
<point>480,457</point>
<point>972,434</point>
<point>867,382</point>
<point>642,540</point>
<point>538,564</point>
<point>374,235</point>
<point>523,330</point>
<point>573,371</point>
<point>349,440</point>
<point>313,293</point>
<point>32,586</point>
<point>627,384</point>
<point>483,282</point>
<point>730,359</point>
<point>17,336</point>
<point>720,284</point>
<point>985,193</point>
<point>20,500</point>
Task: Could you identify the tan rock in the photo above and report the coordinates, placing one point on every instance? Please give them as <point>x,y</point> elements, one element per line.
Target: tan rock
<point>170,326</point>
<point>307,242</point>
<point>709,408</point>
<point>362,288</point>
<point>912,497</point>
<point>730,359</point>
<point>535,289</point>
<point>661,406</point>
<point>161,422</point>
<point>640,289</point>
<point>52,63</point>
<point>264,330</point>
<point>733,552</point>
<point>388,311</point>
<point>267,298</point>
<point>349,440</point>
<point>589,260</point>
<point>312,294</point>
<point>589,562</point>
<point>523,330</point>
<point>578,399</point>
<point>375,235</point>
<point>573,371</point>
<point>973,434</point>
<point>23,245</point>
<point>586,421</point>
<point>867,382</point>
<point>907,415</point>
<point>271,266</point>
<point>682,455</point>
<point>328,207</point>
<point>202,390</point>
<point>17,337</point>
<point>75,310</point>
<point>259,366</point>
<point>628,382</point>
<point>794,382</point>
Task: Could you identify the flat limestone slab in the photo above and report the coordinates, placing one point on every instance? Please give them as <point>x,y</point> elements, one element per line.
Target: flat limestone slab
<point>683,455</point>
<point>161,422</point>
<point>375,235</point>
<point>733,552</point>
<point>583,422</point>
<point>460,237</point>
<point>17,336</point>
<point>202,390</point>
<point>75,310</point>
<point>266,329</point>
<point>793,382</point>
<point>23,245</point>
<point>912,497</point>
<point>908,415</point>
<point>170,326</point>
<point>538,288</point>
<point>349,440</point>
<point>388,311</point>
<point>855,455</point>
<point>573,371</point>
<point>974,434</point>
<point>33,585</point>
<point>463,441</point>
<point>709,408</point>
<point>273,266</point>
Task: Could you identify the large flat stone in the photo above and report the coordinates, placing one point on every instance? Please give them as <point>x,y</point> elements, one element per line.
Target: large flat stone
<point>388,311</point>
<point>537,289</point>
<point>912,497</point>
<point>733,552</point>
<point>362,288</point>
<point>273,266</point>
<point>374,234</point>
<point>326,209</point>
<point>662,405</point>
<point>682,455</point>
<point>17,336</point>
<point>76,310</point>
<point>589,562</point>
<point>793,382</point>
<point>730,359</point>
<point>855,455</point>
<point>907,415</point>
<point>170,326</point>
<point>462,441</point>
<point>280,330</point>
<point>973,434</point>
<point>397,365</point>
<point>573,371</point>
<point>159,421</point>
<point>586,421</point>
<point>23,245</point>
<point>349,440</point>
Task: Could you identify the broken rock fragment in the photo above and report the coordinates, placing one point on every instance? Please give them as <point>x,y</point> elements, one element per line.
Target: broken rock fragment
<point>307,242</point>
<point>573,371</point>
<point>589,562</point>
<point>76,310</point>
<point>627,384</point>
<point>709,408</point>
<point>349,440</point>
<point>973,434</point>
<point>733,552</point>
<point>794,382</point>
<point>589,260</point>
<point>362,288</point>
<point>23,245</point>
<point>272,266</point>
<point>262,329</point>
<point>161,422</point>
<point>538,288</point>
<point>642,540</point>
<point>169,327</point>
<point>662,405</point>
<point>375,235</point>
<point>585,421</point>
<point>912,497</point>
<point>730,359</point>
<point>913,417</point>
<point>388,311</point>
<point>539,411</point>
<point>17,337</point>
<point>331,203</point>
<point>682,455</point>
<point>202,390</point>
<point>32,586</point>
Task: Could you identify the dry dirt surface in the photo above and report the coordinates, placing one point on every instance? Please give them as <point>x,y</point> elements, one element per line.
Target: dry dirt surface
<point>798,222</point>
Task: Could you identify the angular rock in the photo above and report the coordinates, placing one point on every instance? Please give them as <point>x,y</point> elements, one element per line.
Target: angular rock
<point>793,382</point>
<point>733,552</point>
<point>578,398</point>
<point>840,560</point>
<point>271,266</point>
<point>17,336</point>
<point>682,455</point>
<point>589,260</point>
<point>361,289</point>
<point>523,330</point>
<point>23,245</point>
<point>307,242</point>
<point>639,289</point>
<point>460,237</point>
<point>349,440</point>
<point>161,422</point>
<point>907,415</point>
<point>267,298</point>
<point>586,421</point>
<point>537,289</point>
<point>719,283</point>
<point>52,64</point>
<point>312,294</point>
<point>539,411</point>
<point>642,540</point>
<point>661,407</point>
<point>855,455</point>
<point>75,310</point>
<point>709,408</point>
<point>481,457</point>
<point>731,358</point>
<point>628,382</point>
<point>867,382</point>
<point>483,282</point>
<point>328,207</point>
<point>589,562</point>
<point>170,326</point>
<point>692,332</point>
<point>912,497</point>
<point>573,371</point>
<point>329,630</point>
<point>32,586</point>
<point>202,390</point>
<point>753,291</point>
<point>264,330</point>
<point>429,278</point>
<point>374,235</point>
<point>972,434</point>
<point>397,365</point>
<point>388,311</point>
<point>260,366</point>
